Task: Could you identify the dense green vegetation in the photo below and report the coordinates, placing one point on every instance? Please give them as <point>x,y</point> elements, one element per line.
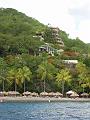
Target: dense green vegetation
<point>22,68</point>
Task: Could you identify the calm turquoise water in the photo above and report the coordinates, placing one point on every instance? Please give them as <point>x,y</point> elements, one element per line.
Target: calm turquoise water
<point>45,111</point>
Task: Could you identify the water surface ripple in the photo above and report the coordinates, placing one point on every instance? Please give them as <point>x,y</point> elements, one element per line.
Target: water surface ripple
<point>45,111</point>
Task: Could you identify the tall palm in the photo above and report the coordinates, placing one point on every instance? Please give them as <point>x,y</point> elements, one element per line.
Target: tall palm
<point>13,76</point>
<point>24,74</point>
<point>3,71</point>
<point>83,80</point>
<point>82,75</point>
<point>88,82</point>
<point>62,77</point>
<point>45,71</point>
<point>2,80</point>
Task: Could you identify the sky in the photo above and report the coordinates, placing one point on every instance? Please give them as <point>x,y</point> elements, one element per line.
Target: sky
<point>72,16</point>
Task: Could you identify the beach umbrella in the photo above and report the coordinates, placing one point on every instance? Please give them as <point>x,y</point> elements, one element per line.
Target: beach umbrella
<point>43,94</point>
<point>58,94</point>
<point>27,93</point>
<point>13,93</point>
<point>3,93</point>
<point>69,92</point>
<point>34,94</point>
<point>84,95</point>
<point>74,95</point>
<point>51,94</point>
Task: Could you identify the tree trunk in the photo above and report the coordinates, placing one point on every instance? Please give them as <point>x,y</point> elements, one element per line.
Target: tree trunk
<point>24,86</point>
<point>83,89</point>
<point>63,82</point>
<point>15,86</point>
<point>3,85</point>
<point>44,85</point>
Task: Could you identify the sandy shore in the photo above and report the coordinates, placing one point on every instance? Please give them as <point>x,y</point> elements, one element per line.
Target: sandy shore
<point>41,99</point>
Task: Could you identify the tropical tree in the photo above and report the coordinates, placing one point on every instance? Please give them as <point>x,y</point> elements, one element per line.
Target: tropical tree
<point>45,71</point>
<point>88,83</point>
<point>19,75</point>
<point>62,77</point>
<point>3,71</point>
<point>83,80</point>
<point>80,67</point>
<point>82,75</point>
<point>13,76</point>
<point>25,74</point>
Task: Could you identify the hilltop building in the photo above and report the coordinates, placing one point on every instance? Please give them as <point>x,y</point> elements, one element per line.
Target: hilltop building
<point>39,35</point>
<point>47,47</point>
<point>56,36</point>
<point>70,63</point>
<point>50,50</point>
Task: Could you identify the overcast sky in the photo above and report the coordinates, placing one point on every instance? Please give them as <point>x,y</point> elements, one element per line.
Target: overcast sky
<point>72,16</point>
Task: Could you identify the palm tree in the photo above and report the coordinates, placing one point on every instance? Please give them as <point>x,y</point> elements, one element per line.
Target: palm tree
<point>19,75</point>
<point>88,82</point>
<point>81,68</point>
<point>45,71</point>
<point>2,80</point>
<point>62,77</point>
<point>82,75</point>
<point>13,75</point>
<point>24,74</point>
<point>83,80</point>
<point>3,71</point>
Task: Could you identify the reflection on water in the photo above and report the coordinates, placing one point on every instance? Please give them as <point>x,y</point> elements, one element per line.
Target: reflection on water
<point>45,111</point>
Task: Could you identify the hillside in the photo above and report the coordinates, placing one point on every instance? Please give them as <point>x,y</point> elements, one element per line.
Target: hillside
<point>73,44</point>
<point>17,31</point>
<point>88,46</point>
<point>22,68</point>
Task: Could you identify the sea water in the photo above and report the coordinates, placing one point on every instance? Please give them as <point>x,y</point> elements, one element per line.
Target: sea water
<point>45,111</point>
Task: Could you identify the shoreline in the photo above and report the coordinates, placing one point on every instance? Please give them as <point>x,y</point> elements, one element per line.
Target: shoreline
<point>41,99</point>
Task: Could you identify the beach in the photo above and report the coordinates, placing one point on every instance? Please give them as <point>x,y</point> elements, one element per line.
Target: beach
<point>42,99</point>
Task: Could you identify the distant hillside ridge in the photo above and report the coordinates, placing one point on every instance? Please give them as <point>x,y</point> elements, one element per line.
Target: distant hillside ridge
<point>18,31</point>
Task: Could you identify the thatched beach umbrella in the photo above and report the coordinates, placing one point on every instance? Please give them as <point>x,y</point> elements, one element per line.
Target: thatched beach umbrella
<point>69,93</point>
<point>3,93</point>
<point>34,94</point>
<point>84,95</point>
<point>74,95</point>
<point>13,93</point>
<point>43,94</point>
<point>58,94</point>
<point>27,93</point>
<point>51,94</point>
